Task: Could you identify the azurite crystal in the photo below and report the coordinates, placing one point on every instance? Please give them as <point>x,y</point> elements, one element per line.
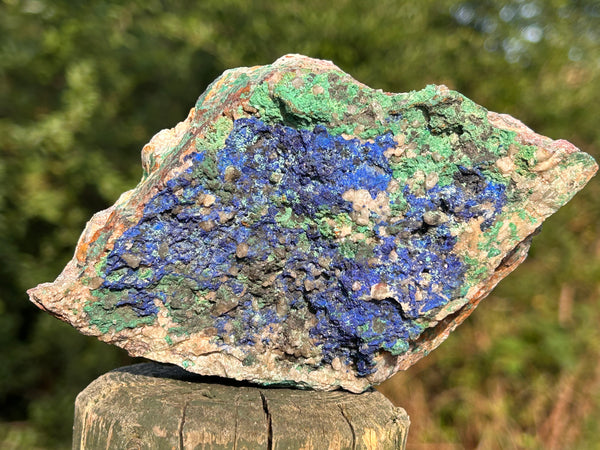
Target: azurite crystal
<point>299,227</point>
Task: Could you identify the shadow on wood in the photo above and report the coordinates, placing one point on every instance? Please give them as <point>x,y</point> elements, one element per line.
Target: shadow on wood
<point>157,406</point>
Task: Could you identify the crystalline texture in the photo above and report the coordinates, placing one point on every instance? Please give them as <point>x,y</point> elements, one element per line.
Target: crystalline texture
<point>301,228</point>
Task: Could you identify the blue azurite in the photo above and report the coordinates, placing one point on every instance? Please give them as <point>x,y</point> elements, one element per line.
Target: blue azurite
<point>246,226</point>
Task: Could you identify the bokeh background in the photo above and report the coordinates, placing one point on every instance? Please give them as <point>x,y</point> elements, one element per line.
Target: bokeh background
<point>83,85</point>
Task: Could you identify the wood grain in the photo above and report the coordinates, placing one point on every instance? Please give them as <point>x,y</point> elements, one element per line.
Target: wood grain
<point>158,406</point>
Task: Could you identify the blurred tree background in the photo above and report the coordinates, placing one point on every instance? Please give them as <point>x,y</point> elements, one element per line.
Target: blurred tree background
<point>83,85</point>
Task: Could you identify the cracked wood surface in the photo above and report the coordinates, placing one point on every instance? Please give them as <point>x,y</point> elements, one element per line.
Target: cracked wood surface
<point>157,406</point>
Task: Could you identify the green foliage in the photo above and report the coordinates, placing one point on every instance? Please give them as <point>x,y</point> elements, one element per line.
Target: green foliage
<point>83,85</point>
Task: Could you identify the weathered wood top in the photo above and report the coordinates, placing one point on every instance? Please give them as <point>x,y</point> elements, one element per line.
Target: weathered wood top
<point>157,406</point>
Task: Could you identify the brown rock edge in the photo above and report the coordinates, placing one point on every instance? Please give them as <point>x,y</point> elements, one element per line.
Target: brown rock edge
<point>158,406</point>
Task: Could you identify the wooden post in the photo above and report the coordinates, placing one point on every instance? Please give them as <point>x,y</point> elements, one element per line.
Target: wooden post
<point>157,406</point>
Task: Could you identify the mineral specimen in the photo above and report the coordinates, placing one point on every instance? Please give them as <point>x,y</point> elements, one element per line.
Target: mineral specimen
<point>302,228</point>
